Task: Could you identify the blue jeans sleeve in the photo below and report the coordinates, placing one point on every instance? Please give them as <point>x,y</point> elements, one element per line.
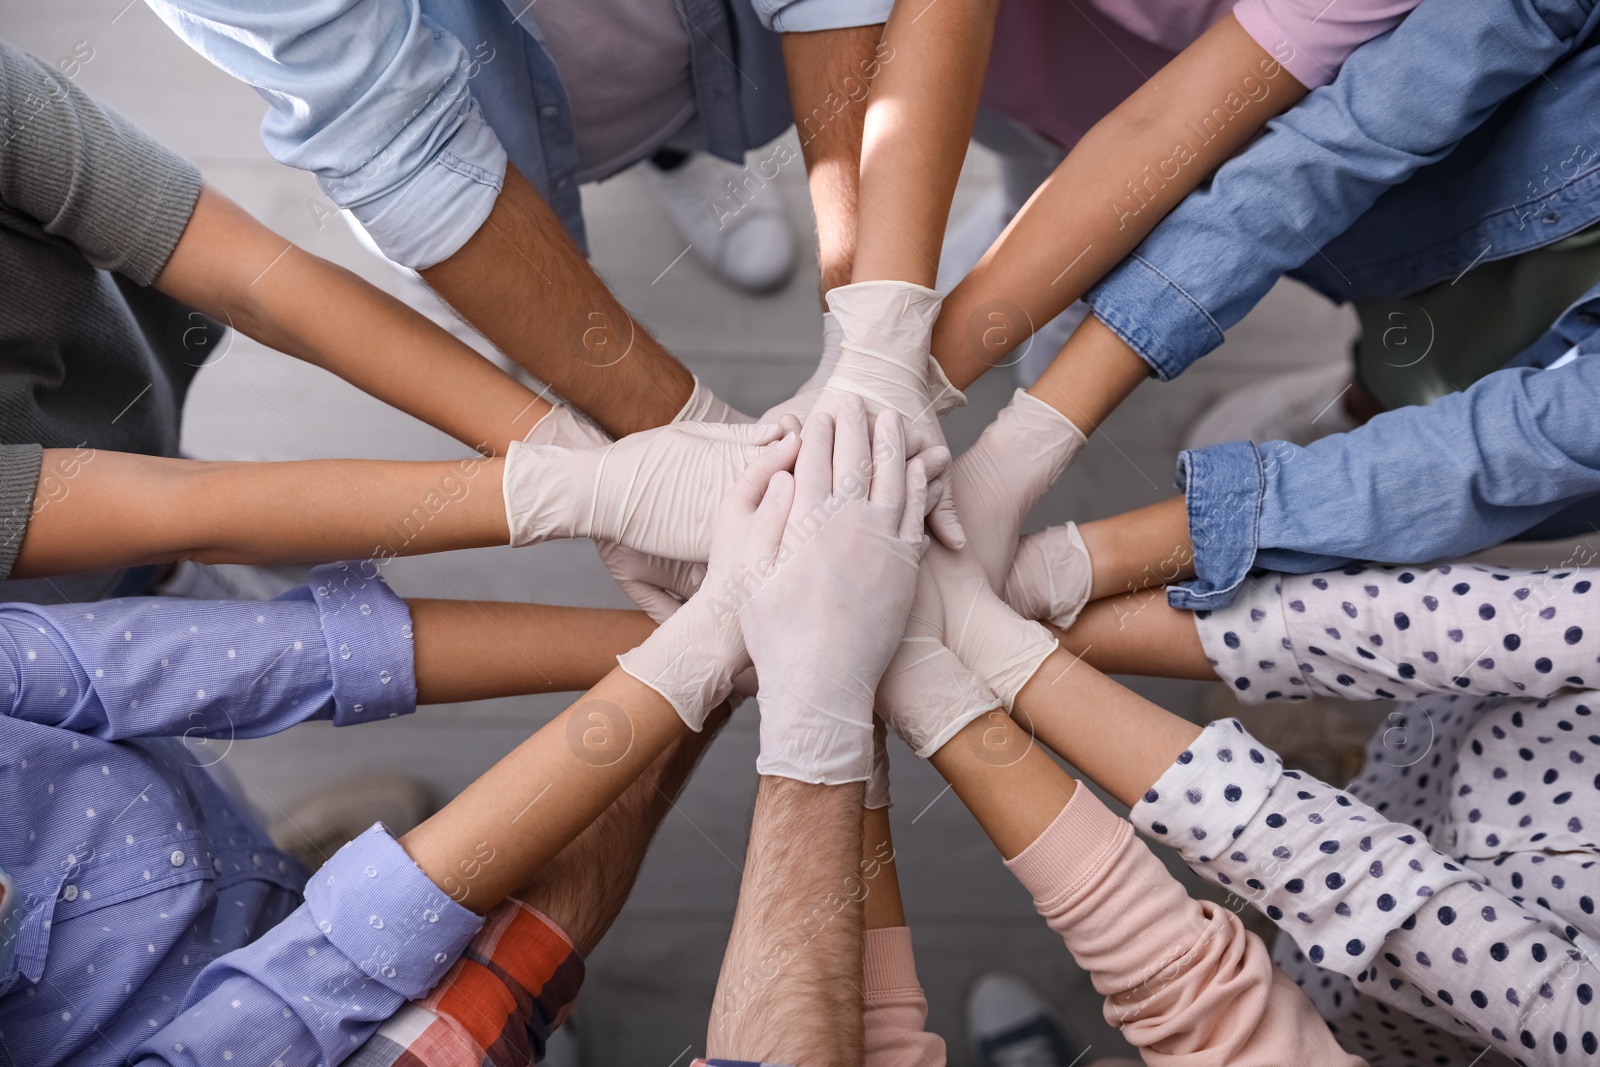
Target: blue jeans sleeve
<point>373,933</point>
<point>1400,102</point>
<point>1460,474</point>
<point>372,99</point>
<point>152,666</point>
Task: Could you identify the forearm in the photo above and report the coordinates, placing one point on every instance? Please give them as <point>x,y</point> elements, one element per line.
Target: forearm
<point>1139,634</point>
<point>1009,784</point>
<point>918,121</point>
<point>1114,736</point>
<point>829,73</point>
<point>236,270</point>
<point>788,990</point>
<point>1094,372</point>
<point>517,816</point>
<point>882,907</point>
<point>523,283</point>
<point>1140,549</point>
<point>585,886</point>
<point>475,650</point>
<point>121,510</point>
<point>1120,180</point>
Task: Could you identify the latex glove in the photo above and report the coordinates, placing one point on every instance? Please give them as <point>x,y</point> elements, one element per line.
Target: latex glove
<point>927,695</point>
<point>704,406</point>
<point>997,481</point>
<point>877,793</point>
<point>800,404</point>
<point>565,428</point>
<point>828,575</point>
<point>886,328</point>
<point>998,645</point>
<point>657,491</point>
<point>657,586</point>
<point>1051,576</point>
<point>695,654</point>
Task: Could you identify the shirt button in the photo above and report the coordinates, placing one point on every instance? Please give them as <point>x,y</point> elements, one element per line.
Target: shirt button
<point>216,865</point>
<point>69,893</point>
<point>549,111</point>
<point>177,857</point>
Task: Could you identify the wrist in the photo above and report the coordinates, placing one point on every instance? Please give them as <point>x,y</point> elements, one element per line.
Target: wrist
<point>823,740</point>
<point>691,659</point>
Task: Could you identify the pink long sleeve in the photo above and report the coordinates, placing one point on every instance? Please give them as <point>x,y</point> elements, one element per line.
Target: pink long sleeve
<point>894,1010</point>
<point>1185,982</point>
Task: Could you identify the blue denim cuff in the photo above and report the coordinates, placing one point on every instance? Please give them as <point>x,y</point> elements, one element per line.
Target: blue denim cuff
<point>377,908</point>
<point>368,630</point>
<point>1154,316</point>
<point>804,16</point>
<point>1223,487</point>
<point>433,213</point>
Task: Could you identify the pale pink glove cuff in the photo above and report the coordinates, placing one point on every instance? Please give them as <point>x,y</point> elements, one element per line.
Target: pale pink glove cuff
<point>691,660</point>
<point>887,327</point>
<point>927,695</point>
<point>1051,576</point>
<point>543,487</point>
<point>704,406</point>
<point>565,428</point>
<point>1038,431</point>
<point>807,743</point>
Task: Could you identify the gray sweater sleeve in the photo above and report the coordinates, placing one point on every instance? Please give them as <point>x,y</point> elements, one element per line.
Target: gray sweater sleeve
<point>19,476</point>
<point>75,170</point>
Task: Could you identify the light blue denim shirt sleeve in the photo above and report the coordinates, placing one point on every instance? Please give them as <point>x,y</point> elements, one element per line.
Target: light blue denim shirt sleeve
<point>373,933</point>
<point>370,97</point>
<point>804,16</point>
<point>1460,474</point>
<point>337,649</point>
<point>1400,102</point>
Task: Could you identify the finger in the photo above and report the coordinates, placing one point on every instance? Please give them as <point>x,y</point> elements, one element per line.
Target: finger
<point>752,483</point>
<point>942,517</point>
<point>935,460</point>
<point>813,470</point>
<point>889,461</point>
<point>766,529</point>
<point>650,599</point>
<point>791,423</point>
<point>852,449</point>
<point>916,505</point>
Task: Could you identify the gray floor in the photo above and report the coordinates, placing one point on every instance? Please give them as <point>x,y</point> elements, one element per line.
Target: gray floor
<point>650,983</point>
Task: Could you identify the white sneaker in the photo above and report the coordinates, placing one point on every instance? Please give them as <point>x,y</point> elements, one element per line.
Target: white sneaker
<point>1009,1025</point>
<point>733,220</point>
<point>1298,408</point>
<point>225,581</point>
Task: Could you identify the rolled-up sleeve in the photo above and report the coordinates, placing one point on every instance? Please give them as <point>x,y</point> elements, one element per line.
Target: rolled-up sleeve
<point>804,16</point>
<point>337,649</point>
<point>373,932</point>
<point>1400,103</point>
<point>1313,38</point>
<point>372,99</point>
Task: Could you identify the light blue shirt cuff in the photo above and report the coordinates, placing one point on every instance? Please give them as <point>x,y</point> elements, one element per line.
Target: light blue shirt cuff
<point>805,16</point>
<point>370,652</point>
<point>1223,489</point>
<point>429,217</point>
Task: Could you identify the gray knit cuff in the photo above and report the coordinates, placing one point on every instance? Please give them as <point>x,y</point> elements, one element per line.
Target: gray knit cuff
<point>19,477</point>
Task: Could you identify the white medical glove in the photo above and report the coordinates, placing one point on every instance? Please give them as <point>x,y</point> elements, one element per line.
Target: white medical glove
<point>994,642</point>
<point>704,406</point>
<point>1051,576</point>
<point>999,479</point>
<point>884,358</point>
<point>657,586</point>
<point>656,491</point>
<point>877,792</point>
<point>927,695</point>
<point>800,404</point>
<point>695,654</point>
<point>565,428</point>
<point>829,572</point>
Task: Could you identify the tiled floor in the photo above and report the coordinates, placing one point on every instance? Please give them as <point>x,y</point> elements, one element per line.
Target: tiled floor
<point>650,983</point>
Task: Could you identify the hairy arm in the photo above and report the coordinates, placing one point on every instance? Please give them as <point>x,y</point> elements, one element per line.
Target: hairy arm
<point>1123,177</point>
<point>522,282</point>
<point>100,510</point>
<point>238,271</point>
<point>789,987</point>
<point>920,116</point>
<point>829,74</point>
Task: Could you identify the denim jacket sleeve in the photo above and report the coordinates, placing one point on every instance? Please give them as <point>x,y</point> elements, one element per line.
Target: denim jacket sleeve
<point>1401,102</point>
<point>371,98</point>
<point>1460,474</point>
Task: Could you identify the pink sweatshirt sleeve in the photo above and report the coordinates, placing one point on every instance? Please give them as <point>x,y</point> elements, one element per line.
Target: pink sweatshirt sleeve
<point>1311,39</point>
<point>1183,979</point>
<point>894,1010</point>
